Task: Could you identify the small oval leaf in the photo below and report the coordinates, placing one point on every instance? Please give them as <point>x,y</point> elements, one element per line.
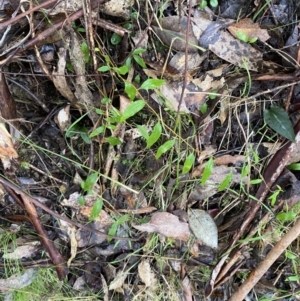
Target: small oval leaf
<point>207,170</point>
<point>132,109</point>
<point>152,83</point>
<point>97,207</point>
<point>188,163</point>
<point>278,120</point>
<point>154,135</point>
<point>164,148</point>
<point>130,90</point>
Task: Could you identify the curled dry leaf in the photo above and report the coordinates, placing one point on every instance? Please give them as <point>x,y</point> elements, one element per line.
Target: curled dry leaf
<point>166,224</point>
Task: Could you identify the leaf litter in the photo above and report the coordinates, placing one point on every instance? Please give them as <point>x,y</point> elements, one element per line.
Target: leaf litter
<point>170,149</point>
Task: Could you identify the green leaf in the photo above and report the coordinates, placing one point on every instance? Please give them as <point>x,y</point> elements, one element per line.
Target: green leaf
<point>164,148</point>
<point>286,216</point>
<point>188,163</point>
<point>203,108</point>
<point>156,133</point>
<point>213,3</point>
<point>96,209</point>
<point>113,141</point>
<point>226,182</point>
<point>128,63</point>
<point>152,83</point>
<point>278,120</point>
<point>138,51</point>
<point>85,51</point>
<point>292,278</point>
<point>255,181</point>
<point>253,40</point>
<point>106,100</point>
<point>203,4</point>
<point>290,255</point>
<point>242,36</point>
<point>99,112</point>
<point>122,70</point>
<point>85,137</point>
<point>115,39</point>
<point>207,171</point>
<point>294,166</point>
<point>273,197</point>
<point>130,90</point>
<point>90,181</point>
<point>132,109</point>
<point>139,61</point>
<point>143,132</point>
<point>81,200</point>
<point>245,170</point>
<point>213,94</point>
<point>113,229</point>
<point>104,68</point>
<point>96,132</point>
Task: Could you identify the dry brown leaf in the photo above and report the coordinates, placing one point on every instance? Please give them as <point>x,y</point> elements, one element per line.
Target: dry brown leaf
<point>250,29</point>
<point>166,224</point>
<point>7,150</point>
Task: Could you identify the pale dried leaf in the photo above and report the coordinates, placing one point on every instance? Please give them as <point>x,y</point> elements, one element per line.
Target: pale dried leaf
<point>203,227</point>
<point>147,275</point>
<point>166,224</point>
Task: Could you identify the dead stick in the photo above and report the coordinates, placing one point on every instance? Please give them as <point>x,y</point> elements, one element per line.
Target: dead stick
<point>264,265</point>
<point>49,245</point>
